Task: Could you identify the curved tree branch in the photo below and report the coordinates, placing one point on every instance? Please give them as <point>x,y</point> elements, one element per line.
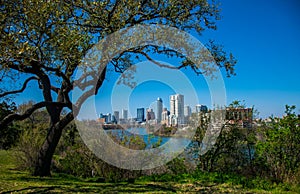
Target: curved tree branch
<point>156,62</point>
<point>20,90</point>
<point>93,91</point>
<point>13,117</point>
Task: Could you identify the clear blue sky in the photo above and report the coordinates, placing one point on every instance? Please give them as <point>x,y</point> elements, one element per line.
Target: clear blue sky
<point>264,36</point>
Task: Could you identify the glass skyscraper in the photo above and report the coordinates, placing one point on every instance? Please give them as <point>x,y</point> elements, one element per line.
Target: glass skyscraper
<point>140,114</point>
<point>159,108</point>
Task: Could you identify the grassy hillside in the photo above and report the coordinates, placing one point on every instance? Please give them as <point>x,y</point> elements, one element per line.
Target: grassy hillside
<point>12,180</point>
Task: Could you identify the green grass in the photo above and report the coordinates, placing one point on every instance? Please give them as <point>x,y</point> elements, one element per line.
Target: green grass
<point>15,181</point>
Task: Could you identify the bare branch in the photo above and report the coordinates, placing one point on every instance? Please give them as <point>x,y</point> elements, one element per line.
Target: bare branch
<point>20,90</point>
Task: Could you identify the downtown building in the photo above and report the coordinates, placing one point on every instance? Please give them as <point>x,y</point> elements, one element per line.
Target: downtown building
<point>124,117</point>
<point>176,109</point>
<point>150,117</point>
<point>105,118</point>
<point>159,110</point>
<point>124,114</point>
<point>240,116</point>
<point>187,113</point>
<point>117,116</point>
<point>201,108</point>
<point>140,115</point>
<point>165,117</point>
<point>150,114</point>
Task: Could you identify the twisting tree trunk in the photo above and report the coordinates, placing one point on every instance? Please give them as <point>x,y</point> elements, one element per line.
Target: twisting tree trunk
<point>45,154</point>
<point>43,163</point>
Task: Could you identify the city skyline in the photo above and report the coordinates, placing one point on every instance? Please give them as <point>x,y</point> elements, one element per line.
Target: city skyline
<point>178,111</point>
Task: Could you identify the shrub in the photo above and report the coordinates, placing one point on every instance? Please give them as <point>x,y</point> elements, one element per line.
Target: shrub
<point>28,146</point>
<point>73,157</point>
<point>279,150</point>
<point>10,133</point>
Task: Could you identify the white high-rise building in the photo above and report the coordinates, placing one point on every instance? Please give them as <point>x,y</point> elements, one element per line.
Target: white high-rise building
<point>177,109</point>
<point>124,114</point>
<point>159,109</point>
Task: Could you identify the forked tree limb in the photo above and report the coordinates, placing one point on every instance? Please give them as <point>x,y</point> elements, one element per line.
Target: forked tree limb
<point>20,90</point>
<point>13,117</point>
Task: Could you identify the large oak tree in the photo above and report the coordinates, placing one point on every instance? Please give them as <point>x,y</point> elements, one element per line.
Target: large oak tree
<point>44,42</point>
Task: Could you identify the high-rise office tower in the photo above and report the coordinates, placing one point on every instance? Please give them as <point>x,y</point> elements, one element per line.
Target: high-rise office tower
<point>124,114</point>
<point>140,114</point>
<point>117,116</point>
<point>159,108</point>
<point>177,108</point>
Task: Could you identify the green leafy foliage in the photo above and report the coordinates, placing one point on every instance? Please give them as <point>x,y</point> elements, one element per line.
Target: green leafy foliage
<point>73,157</point>
<point>8,134</point>
<point>178,166</point>
<point>28,146</point>
<point>279,149</point>
<point>33,131</point>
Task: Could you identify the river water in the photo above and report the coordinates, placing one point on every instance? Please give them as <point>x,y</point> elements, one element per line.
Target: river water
<point>154,141</point>
<point>149,139</point>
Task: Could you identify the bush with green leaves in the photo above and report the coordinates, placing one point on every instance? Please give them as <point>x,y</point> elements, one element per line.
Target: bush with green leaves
<point>28,146</point>
<point>31,138</point>
<point>278,152</point>
<point>74,157</point>
<point>8,134</point>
